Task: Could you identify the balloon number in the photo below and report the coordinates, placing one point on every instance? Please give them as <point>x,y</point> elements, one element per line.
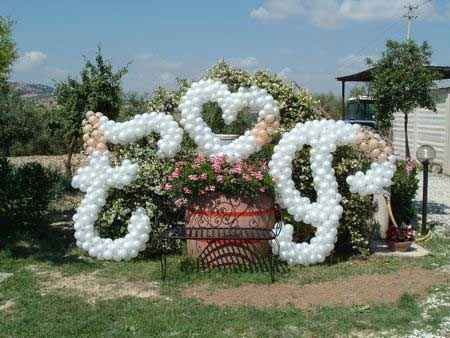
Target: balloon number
<point>323,136</point>
<point>98,177</point>
<point>324,214</point>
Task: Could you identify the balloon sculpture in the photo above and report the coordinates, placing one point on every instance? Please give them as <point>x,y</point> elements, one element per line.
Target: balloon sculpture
<point>323,136</point>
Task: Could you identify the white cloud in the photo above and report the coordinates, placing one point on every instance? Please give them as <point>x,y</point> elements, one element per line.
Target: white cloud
<point>328,13</point>
<point>30,61</point>
<point>249,62</point>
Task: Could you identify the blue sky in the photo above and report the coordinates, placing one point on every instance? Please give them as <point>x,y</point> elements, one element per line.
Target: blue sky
<point>309,41</point>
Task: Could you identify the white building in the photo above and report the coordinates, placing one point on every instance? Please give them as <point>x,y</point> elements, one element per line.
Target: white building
<point>427,127</point>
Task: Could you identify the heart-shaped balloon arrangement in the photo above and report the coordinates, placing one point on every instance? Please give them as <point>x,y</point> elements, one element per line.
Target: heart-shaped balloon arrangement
<point>323,136</point>
<point>231,103</point>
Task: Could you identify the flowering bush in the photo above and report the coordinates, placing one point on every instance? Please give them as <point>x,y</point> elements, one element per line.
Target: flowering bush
<point>190,180</point>
<point>401,234</point>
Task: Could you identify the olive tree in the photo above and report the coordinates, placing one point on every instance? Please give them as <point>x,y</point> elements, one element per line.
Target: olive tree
<point>401,82</point>
<point>98,89</point>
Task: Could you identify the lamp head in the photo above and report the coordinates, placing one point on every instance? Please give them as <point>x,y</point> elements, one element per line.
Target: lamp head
<point>425,153</point>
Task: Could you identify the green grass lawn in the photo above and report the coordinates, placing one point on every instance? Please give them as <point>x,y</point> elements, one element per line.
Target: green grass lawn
<point>63,313</point>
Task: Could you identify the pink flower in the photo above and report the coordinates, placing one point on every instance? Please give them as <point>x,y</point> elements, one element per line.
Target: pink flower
<point>217,162</point>
<point>176,173</point>
<point>247,177</point>
<point>204,176</point>
<point>220,178</point>
<point>199,159</point>
<point>187,190</point>
<point>262,189</point>
<point>258,175</point>
<point>237,168</point>
<point>180,202</point>
<point>210,188</point>
<point>193,177</point>
<point>167,187</point>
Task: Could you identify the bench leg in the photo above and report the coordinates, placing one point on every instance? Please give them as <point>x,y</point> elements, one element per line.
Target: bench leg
<point>272,268</point>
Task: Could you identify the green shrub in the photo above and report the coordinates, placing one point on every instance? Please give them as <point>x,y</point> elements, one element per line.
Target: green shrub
<point>25,193</point>
<point>403,191</point>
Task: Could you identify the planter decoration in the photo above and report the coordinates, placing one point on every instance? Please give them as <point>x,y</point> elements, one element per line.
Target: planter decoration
<point>99,176</point>
<point>324,214</point>
<point>323,136</point>
<point>231,103</point>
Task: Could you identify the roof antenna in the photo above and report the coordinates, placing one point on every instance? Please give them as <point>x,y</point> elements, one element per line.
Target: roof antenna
<point>410,16</point>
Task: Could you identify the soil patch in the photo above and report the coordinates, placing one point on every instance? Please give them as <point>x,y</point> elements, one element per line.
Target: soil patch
<point>93,288</point>
<point>357,290</point>
<point>8,307</point>
<point>53,161</point>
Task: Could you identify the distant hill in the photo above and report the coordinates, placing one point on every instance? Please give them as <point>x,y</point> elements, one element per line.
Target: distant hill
<point>36,91</point>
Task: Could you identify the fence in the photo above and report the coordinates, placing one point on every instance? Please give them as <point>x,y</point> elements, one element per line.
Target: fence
<point>426,127</point>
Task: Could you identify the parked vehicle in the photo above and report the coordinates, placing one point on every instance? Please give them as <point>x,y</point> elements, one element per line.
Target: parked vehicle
<point>361,110</point>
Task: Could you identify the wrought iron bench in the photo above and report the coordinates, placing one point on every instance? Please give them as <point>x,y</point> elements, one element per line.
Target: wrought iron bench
<point>226,248</point>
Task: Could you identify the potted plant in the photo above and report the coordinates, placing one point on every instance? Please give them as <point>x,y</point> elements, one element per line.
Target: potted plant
<point>219,194</point>
<point>400,238</point>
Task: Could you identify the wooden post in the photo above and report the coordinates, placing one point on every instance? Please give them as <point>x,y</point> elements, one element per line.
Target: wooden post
<point>343,99</point>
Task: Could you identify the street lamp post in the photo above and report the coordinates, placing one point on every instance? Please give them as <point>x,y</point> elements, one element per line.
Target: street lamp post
<point>425,154</point>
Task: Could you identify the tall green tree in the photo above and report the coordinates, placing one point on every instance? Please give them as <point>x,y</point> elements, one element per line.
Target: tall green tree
<point>99,89</point>
<point>8,52</point>
<point>9,121</point>
<point>401,82</point>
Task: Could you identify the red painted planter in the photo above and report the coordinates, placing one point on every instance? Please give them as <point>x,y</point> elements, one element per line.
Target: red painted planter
<point>220,211</point>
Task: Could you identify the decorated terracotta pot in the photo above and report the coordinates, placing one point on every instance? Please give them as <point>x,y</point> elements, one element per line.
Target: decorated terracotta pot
<point>219,211</point>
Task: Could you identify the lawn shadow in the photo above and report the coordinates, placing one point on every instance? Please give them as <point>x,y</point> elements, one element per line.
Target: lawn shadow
<point>50,239</point>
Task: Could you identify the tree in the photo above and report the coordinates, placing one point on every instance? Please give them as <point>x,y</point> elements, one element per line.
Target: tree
<point>9,121</point>
<point>8,53</point>
<point>360,90</point>
<point>329,105</point>
<point>401,82</point>
<point>99,89</point>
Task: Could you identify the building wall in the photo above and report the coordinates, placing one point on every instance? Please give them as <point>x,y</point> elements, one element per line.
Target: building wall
<point>426,127</point>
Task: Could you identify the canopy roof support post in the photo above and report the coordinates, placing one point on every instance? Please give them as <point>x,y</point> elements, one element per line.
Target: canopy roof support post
<point>343,99</point>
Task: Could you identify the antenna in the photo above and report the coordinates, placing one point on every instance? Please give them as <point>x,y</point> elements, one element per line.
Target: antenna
<point>410,16</point>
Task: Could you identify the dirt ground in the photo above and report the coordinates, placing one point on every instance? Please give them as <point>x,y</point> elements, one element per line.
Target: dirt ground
<point>93,287</point>
<point>357,290</point>
<point>55,162</point>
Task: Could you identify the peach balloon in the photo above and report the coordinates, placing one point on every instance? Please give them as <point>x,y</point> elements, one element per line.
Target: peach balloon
<point>364,147</point>
<point>93,119</point>
<point>376,153</point>
<point>101,147</point>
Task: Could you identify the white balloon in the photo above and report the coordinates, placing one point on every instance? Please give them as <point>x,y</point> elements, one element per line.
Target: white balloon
<point>231,103</point>
<point>323,136</point>
<point>99,176</point>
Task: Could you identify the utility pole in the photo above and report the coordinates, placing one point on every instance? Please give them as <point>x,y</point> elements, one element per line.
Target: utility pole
<point>410,16</point>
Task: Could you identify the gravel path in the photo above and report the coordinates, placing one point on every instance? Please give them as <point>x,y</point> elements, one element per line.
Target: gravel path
<point>438,202</point>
